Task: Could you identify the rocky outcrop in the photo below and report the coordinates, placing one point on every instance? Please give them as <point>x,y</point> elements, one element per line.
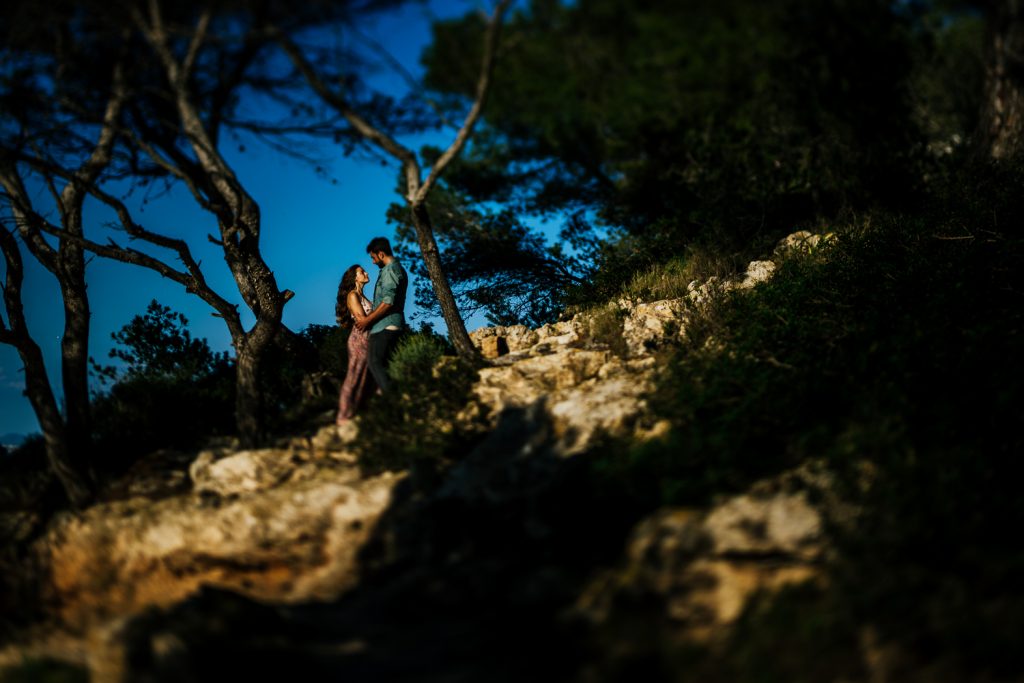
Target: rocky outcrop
<point>801,242</point>
<point>262,523</point>
<point>701,567</point>
<point>587,392</point>
<point>590,388</point>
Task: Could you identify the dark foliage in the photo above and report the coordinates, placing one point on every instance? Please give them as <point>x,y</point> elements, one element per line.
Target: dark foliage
<point>495,263</point>
<point>172,391</point>
<point>894,354</point>
<point>295,357</point>
<point>727,123</point>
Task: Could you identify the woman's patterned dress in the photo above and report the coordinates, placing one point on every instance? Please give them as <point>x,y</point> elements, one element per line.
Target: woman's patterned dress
<point>358,383</point>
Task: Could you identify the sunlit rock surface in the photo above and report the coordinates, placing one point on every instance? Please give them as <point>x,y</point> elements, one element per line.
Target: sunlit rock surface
<point>702,566</point>
<point>281,540</point>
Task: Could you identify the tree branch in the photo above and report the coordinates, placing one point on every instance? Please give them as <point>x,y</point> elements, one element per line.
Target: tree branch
<point>172,168</point>
<point>191,278</point>
<point>12,288</point>
<point>408,160</point>
<point>26,220</point>
<point>197,40</point>
<point>482,88</point>
<point>404,73</point>
<point>102,152</point>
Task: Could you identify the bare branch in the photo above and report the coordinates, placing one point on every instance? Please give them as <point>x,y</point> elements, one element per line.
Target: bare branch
<point>51,187</point>
<point>361,125</point>
<point>156,35</point>
<point>12,287</point>
<point>191,278</point>
<point>26,219</point>
<point>172,168</point>
<point>103,150</point>
<point>482,88</point>
<point>404,73</point>
<point>195,44</point>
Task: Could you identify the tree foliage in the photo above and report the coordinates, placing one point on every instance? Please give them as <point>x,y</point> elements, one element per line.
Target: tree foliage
<point>723,123</point>
<point>158,346</point>
<point>497,264</point>
<point>170,391</point>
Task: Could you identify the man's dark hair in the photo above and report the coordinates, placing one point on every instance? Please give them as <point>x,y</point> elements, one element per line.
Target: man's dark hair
<point>379,244</point>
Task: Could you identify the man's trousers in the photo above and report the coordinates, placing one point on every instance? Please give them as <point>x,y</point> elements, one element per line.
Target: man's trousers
<point>382,345</point>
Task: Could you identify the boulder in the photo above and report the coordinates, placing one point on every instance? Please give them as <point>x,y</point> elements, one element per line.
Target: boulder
<point>493,346</point>
<point>296,542</point>
<point>649,325</point>
<point>517,337</point>
<point>801,241</point>
<point>757,272</point>
<point>244,472</point>
<point>701,567</point>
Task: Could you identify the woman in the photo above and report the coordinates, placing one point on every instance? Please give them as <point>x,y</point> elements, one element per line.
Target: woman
<point>353,306</point>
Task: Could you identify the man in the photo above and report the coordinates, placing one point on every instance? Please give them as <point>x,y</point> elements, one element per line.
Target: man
<point>387,319</point>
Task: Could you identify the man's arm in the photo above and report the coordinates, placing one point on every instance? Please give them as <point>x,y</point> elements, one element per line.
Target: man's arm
<point>375,315</point>
<point>388,287</point>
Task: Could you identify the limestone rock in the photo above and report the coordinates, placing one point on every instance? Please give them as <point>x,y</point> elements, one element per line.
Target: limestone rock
<point>492,347</point>
<point>242,471</point>
<point>648,325</point>
<point>782,523</point>
<point>757,272</point>
<point>704,566</point>
<point>801,241</point>
<point>701,294</point>
<point>517,337</point>
<point>563,333</point>
<point>334,437</point>
<point>296,542</point>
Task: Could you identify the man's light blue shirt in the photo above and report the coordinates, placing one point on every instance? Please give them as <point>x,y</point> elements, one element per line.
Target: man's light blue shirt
<point>391,287</point>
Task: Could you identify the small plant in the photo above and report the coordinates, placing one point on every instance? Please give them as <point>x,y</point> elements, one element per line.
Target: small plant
<point>670,280</point>
<point>604,327</point>
<point>416,420</point>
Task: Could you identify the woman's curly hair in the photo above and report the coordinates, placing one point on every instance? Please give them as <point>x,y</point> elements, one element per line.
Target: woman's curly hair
<point>347,284</point>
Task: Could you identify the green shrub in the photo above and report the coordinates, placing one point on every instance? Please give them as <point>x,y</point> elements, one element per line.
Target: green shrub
<point>413,361</point>
<point>415,421</point>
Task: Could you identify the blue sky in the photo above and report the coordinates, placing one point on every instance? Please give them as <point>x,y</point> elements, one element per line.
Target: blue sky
<point>312,230</point>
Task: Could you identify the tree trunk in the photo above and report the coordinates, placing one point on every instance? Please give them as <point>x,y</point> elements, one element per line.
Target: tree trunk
<point>248,397</point>
<point>432,259</point>
<point>249,404</point>
<point>1000,133</point>
<point>37,387</point>
<point>75,346</point>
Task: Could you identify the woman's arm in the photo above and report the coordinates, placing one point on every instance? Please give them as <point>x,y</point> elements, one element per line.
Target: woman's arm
<point>375,315</point>
<point>355,307</point>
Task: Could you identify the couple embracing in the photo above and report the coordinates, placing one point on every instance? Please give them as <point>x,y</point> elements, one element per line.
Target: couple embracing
<point>376,326</point>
